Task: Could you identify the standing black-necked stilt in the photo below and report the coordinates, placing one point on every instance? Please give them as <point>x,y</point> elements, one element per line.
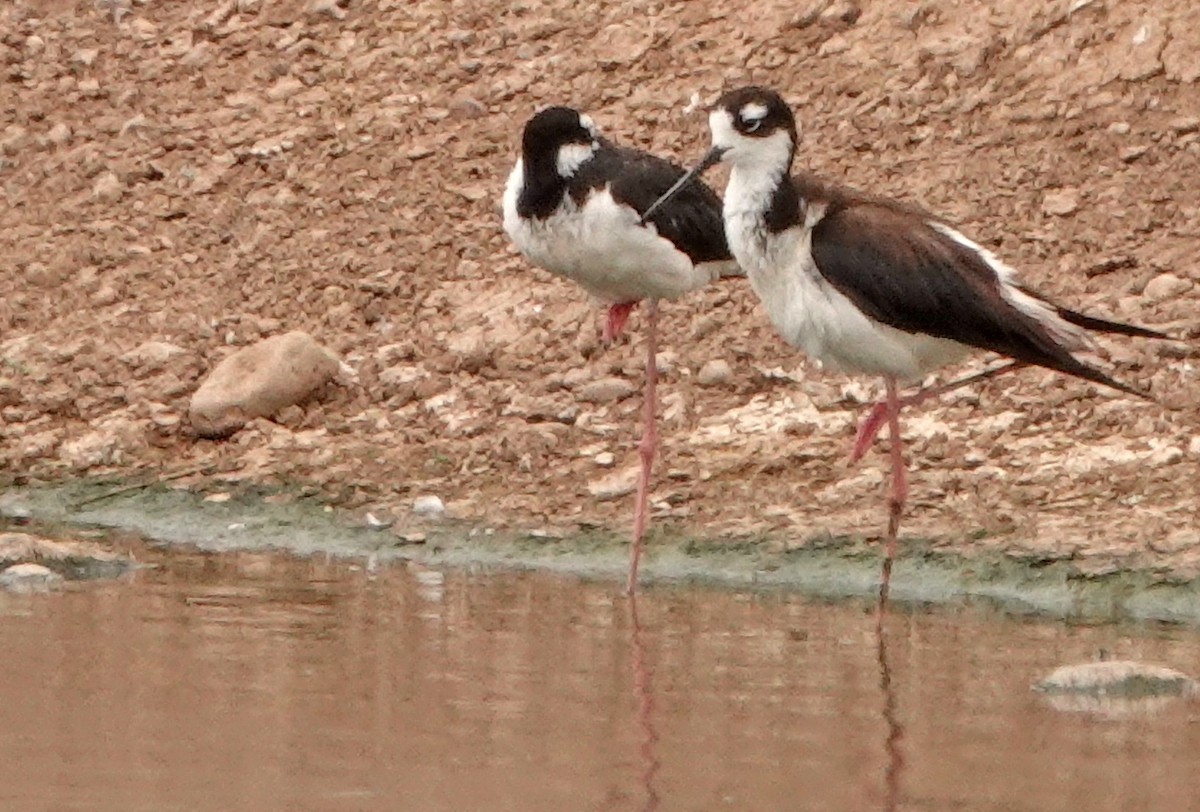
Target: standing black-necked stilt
<point>575,205</point>
<point>869,285</point>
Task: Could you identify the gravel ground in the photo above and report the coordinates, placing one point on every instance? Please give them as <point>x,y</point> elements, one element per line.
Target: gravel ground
<point>180,179</point>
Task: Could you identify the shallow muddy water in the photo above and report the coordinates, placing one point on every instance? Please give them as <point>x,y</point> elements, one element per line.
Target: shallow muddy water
<point>248,681</point>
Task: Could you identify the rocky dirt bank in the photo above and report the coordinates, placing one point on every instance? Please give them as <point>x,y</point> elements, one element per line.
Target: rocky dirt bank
<point>180,179</point>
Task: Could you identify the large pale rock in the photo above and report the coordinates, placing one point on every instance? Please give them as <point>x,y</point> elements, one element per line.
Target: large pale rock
<point>259,380</point>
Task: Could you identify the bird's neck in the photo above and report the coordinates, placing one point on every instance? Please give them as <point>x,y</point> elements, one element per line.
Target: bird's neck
<point>764,194</point>
<point>542,186</point>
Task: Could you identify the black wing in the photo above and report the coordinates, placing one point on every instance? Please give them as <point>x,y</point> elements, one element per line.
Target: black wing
<point>691,220</point>
<point>902,272</point>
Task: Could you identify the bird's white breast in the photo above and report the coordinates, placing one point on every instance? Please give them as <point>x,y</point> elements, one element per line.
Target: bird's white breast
<point>601,246</point>
<point>806,309</point>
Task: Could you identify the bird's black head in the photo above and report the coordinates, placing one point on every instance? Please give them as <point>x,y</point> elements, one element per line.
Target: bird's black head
<point>559,137</point>
<point>753,130</point>
<point>753,125</point>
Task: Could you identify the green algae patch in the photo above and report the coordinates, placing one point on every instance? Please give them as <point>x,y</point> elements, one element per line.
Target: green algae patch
<point>822,565</point>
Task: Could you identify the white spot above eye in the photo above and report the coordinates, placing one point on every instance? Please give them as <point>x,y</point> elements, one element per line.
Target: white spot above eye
<point>586,122</point>
<point>753,112</point>
<point>573,156</point>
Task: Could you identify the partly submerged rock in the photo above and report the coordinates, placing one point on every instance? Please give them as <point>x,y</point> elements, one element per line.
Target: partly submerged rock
<point>69,559</point>
<point>260,380</point>
<point>28,578</point>
<point>1118,677</point>
<point>1115,688</point>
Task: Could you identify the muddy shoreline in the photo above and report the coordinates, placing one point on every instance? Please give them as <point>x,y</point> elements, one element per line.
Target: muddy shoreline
<point>928,571</point>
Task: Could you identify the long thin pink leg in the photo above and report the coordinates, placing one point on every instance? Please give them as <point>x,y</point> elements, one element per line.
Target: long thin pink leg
<point>869,428</point>
<point>614,321</point>
<point>899,494</point>
<point>647,444</point>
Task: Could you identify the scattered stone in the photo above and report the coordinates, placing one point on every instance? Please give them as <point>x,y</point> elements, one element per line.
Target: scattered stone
<point>327,7</point>
<point>1184,125</point>
<point>467,107</point>
<point>1166,286</point>
<point>284,88</point>
<point>614,486</point>
<point>1060,203</point>
<point>29,578</point>
<point>605,459</point>
<point>106,443</point>
<point>1181,57</point>
<point>666,361</point>
<point>59,134</point>
<point>259,380</point>
<point>429,505</point>
<point>1131,154</point>
<point>715,372</point>
<point>152,353</point>
<point>107,188</point>
<point>605,390</point>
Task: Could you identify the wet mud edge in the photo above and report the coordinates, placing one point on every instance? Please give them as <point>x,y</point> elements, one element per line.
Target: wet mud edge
<point>828,567</point>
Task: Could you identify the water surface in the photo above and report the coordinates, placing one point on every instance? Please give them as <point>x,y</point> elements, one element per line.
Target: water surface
<point>247,681</point>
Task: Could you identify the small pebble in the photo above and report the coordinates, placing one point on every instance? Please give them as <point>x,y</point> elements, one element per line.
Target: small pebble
<point>715,373</point>
<point>1166,286</point>
<point>428,505</point>
<point>605,390</point>
<point>1060,203</point>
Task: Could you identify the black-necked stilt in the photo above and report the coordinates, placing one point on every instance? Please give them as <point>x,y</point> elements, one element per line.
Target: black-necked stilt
<point>869,285</point>
<point>574,205</point>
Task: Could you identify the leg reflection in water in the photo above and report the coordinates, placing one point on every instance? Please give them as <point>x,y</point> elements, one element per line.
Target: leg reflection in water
<point>895,733</point>
<point>644,694</point>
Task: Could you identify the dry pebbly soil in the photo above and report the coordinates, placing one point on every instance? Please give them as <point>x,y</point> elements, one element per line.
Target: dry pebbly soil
<point>181,178</point>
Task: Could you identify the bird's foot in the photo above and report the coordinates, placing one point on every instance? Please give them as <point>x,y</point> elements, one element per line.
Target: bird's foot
<point>868,430</point>
<point>614,321</point>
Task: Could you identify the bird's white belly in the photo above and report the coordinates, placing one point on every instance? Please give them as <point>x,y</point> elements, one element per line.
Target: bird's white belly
<point>813,315</point>
<point>601,246</point>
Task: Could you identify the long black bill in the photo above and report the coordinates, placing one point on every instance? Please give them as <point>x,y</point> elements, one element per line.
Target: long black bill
<point>711,158</point>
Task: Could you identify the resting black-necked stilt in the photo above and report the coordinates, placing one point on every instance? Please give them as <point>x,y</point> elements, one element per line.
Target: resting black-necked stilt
<point>575,205</point>
<point>869,285</point>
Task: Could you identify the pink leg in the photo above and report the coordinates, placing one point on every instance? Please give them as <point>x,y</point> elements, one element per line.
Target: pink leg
<point>614,322</point>
<point>899,494</point>
<point>647,444</point>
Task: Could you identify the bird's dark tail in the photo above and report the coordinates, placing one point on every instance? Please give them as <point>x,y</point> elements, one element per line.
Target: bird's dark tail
<point>1081,370</point>
<point>1106,326</point>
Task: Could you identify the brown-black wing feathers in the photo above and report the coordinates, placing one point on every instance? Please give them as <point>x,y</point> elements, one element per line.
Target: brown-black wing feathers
<point>902,272</point>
